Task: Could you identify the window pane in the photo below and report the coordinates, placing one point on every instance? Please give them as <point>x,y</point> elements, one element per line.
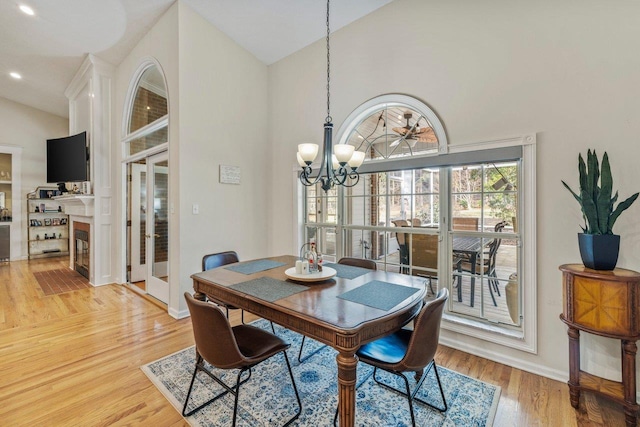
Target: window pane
<point>148,141</point>
<point>150,101</point>
<point>394,131</point>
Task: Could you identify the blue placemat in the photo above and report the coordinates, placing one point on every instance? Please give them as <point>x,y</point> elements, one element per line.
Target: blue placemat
<point>268,289</point>
<point>348,271</point>
<point>255,266</point>
<point>377,294</point>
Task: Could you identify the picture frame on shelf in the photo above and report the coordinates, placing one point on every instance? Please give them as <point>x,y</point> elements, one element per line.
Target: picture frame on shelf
<point>63,221</point>
<point>47,221</point>
<point>55,221</point>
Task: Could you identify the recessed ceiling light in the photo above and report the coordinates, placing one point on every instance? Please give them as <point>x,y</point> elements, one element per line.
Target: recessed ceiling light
<point>15,75</point>
<point>26,9</point>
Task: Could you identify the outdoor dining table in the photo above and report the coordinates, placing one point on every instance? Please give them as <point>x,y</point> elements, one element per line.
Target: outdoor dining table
<point>343,312</point>
<point>471,248</point>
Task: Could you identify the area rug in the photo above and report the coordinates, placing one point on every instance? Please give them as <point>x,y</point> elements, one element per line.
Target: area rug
<point>267,399</point>
<point>60,281</point>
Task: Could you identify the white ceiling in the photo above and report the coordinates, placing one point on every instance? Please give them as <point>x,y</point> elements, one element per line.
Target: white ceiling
<point>48,48</point>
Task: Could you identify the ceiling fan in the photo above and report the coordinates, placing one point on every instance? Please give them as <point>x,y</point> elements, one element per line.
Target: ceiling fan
<point>413,134</point>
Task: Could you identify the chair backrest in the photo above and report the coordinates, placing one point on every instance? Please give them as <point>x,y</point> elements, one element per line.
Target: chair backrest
<point>426,333</point>
<point>494,245</point>
<point>465,223</point>
<point>216,260</point>
<point>400,236</point>
<point>359,262</point>
<point>416,222</point>
<point>215,340</point>
<point>424,251</point>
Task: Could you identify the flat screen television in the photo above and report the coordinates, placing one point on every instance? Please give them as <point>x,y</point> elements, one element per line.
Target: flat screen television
<point>67,159</point>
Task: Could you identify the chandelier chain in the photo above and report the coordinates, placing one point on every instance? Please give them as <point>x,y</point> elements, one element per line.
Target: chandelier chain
<point>328,119</point>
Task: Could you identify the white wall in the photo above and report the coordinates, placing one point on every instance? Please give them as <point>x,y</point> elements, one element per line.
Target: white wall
<point>217,115</point>
<point>29,129</point>
<point>497,68</point>
<point>223,121</point>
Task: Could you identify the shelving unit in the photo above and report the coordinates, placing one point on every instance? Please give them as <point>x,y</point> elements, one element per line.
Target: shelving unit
<point>48,228</point>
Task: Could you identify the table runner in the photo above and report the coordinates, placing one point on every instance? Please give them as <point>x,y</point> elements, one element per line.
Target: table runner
<point>252,267</point>
<point>268,289</point>
<point>378,294</point>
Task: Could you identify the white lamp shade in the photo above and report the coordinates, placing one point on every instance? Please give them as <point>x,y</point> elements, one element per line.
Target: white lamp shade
<point>334,162</point>
<point>343,152</point>
<point>300,161</point>
<point>357,159</point>
<point>308,152</point>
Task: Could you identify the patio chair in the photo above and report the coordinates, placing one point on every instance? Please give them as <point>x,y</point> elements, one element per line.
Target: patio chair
<point>402,244</point>
<point>486,265</point>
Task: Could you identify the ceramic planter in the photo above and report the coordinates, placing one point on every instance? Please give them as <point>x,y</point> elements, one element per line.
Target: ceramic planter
<point>599,251</point>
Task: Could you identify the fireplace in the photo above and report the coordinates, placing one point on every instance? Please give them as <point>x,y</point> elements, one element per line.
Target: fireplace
<point>81,254</point>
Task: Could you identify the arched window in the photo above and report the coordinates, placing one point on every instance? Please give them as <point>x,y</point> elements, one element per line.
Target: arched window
<point>146,123</point>
<point>392,126</point>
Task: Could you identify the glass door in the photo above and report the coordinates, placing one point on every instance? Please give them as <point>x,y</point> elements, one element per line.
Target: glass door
<point>157,220</point>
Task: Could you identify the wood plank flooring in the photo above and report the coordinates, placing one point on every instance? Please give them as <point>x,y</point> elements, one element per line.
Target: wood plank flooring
<point>73,359</point>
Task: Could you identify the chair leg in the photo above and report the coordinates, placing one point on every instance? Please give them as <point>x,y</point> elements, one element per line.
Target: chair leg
<point>200,367</point>
<point>295,389</point>
<point>303,359</point>
<point>412,396</point>
<point>493,298</point>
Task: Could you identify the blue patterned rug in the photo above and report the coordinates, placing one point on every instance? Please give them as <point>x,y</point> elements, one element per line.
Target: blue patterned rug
<point>267,399</point>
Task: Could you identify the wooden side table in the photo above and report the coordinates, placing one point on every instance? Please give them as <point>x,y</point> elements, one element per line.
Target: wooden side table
<point>604,303</point>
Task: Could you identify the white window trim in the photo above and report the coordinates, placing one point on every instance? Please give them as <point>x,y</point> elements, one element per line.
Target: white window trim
<point>392,100</point>
<point>528,340</point>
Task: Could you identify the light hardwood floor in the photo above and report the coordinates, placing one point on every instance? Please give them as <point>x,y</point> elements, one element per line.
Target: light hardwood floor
<point>74,360</point>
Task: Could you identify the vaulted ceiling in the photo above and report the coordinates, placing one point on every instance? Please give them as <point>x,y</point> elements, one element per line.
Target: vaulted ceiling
<point>47,48</point>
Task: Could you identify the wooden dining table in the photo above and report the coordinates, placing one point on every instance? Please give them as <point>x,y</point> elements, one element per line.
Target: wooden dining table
<point>321,313</point>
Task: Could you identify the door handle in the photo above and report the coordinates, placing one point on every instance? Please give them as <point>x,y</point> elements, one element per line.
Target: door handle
<point>148,236</point>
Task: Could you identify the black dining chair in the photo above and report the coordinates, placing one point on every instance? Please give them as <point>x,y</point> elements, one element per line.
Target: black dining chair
<point>219,259</point>
<point>354,262</point>
<point>216,260</point>
<point>409,351</point>
<point>486,265</point>
<point>224,347</point>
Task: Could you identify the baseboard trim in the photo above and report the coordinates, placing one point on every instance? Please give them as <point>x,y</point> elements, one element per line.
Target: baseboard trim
<point>545,371</point>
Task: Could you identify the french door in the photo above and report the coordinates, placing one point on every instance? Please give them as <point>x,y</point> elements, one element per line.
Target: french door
<point>148,234</point>
<point>157,235</point>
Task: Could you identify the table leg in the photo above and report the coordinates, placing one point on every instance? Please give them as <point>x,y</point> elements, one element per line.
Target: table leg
<point>629,350</point>
<point>574,366</point>
<point>347,363</point>
<point>472,259</point>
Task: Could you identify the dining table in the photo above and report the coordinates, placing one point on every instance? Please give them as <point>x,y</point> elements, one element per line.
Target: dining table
<point>352,308</point>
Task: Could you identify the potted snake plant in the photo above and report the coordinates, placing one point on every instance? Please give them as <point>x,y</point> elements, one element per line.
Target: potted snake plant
<point>599,247</point>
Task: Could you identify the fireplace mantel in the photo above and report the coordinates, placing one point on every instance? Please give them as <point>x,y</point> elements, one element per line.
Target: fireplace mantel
<point>77,204</point>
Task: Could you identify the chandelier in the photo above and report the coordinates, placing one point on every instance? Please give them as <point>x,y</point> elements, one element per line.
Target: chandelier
<point>339,162</point>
